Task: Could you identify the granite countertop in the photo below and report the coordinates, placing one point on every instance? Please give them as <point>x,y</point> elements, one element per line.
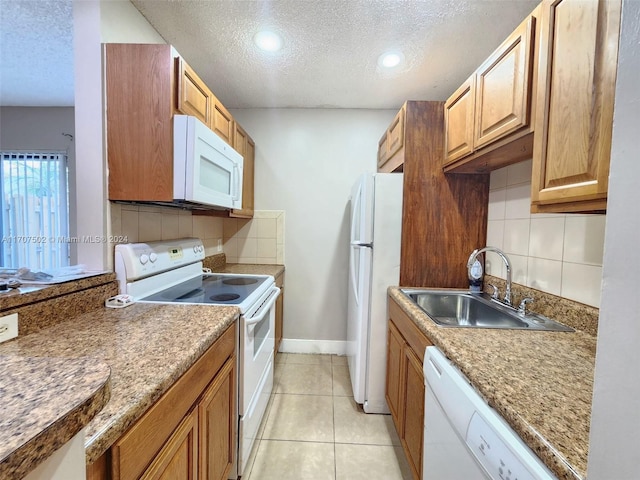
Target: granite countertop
<point>147,347</point>
<point>45,403</point>
<point>31,293</point>
<point>541,383</point>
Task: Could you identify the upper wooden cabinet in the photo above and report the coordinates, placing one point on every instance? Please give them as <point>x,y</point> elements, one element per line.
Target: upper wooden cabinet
<point>222,122</point>
<point>391,145</point>
<point>492,109</point>
<point>246,147</point>
<point>193,98</point>
<point>577,73</point>
<point>459,117</point>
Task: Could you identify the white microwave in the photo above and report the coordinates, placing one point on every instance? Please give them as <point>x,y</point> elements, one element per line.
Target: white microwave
<point>206,170</point>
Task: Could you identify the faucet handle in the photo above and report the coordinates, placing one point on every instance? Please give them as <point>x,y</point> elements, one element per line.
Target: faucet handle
<point>494,295</point>
<point>522,309</point>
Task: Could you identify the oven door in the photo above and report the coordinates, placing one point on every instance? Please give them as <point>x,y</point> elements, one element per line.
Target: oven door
<point>256,371</point>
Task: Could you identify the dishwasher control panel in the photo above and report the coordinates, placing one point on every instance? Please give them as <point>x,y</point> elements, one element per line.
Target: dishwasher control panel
<point>492,453</point>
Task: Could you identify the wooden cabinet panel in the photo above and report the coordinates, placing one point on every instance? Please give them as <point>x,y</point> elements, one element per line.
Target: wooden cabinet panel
<point>503,85</point>
<point>244,145</point>
<point>440,213</point>
<point>405,383</point>
<point>413,409</point>
<point>279,319</point>
<point>391,145</point>
<point>383,150</point>
<point>459,121</point>
<point>139,121</point>
<point>577,72</point>
<point>395,345</point>
<point>222,121</point>
<point>178,459</point>
<point>140,444</point>
<point>217,423</point>
<point>396,133</point>
<point>194,98</point>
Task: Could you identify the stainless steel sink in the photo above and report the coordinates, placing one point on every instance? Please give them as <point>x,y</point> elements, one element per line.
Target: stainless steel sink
<point>451,308</point>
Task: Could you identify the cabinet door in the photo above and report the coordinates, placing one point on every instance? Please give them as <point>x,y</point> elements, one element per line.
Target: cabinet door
<point>222,121</point>
<point>244,144</point>
<point>458,122</point>
<point>178,458</point>
<point>396,134</point>
<point>383,150</point>
<point>576,88</point>
<point>194,98</point>
<point>503,85</point>
<point>217,421</point>
<point>413,410</point>
<point>395,345</point>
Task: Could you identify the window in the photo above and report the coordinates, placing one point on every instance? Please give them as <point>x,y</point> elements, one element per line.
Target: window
<point>35,210</point>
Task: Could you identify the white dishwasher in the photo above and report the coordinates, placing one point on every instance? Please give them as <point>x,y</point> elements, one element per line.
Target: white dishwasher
<point>464,438</point>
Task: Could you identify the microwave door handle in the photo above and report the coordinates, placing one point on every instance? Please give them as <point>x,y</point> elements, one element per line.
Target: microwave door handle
<point>237,180</point>
<point>264,309</point>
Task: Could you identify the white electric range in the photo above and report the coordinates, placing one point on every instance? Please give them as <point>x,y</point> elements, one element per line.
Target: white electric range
<point>172,272</point>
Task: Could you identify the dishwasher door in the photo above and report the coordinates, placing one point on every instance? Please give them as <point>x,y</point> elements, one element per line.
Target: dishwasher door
<point>466,439</point>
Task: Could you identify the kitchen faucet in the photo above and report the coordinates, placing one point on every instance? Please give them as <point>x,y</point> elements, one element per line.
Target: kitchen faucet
<point>474,255</point>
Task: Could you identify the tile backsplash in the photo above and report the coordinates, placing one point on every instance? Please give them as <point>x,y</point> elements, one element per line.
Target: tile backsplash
<point>142,223</point>
<point>556,253</point>
<point>258,240</point>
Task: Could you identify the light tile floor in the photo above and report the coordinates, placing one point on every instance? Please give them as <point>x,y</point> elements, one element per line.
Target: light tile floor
<point>313,429</point>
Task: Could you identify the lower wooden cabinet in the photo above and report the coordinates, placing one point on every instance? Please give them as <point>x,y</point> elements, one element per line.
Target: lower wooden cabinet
<point>405,383</point>
<point>190,432</point>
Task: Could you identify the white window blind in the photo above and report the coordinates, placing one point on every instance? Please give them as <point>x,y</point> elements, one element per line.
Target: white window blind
<point>35,210</point>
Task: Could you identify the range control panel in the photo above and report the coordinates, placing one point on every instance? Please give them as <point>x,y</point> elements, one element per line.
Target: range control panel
<point>134,261</point>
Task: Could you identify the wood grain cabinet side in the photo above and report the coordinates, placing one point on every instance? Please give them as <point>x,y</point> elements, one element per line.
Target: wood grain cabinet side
<point>279,313</point>
<point>577,74</point>
<point>405,383</point>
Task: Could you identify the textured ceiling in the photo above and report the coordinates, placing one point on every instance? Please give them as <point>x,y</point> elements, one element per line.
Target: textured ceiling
<point>329,58</point>
<point>36,52</point>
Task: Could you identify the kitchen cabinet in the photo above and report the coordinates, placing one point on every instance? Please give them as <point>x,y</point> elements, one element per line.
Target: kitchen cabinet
<point>405,383</point>
<point>189,432</point>
<point>577,74</point>
<point>246,147</point>
<point>279,313</point>
<point>444,217</point>
<point>193,96</point>
<point>492,109</point>
<point>139,121</point>
<point>391,145</point>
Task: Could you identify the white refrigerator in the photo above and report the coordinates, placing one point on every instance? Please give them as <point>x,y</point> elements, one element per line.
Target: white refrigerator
<point>374,264</point>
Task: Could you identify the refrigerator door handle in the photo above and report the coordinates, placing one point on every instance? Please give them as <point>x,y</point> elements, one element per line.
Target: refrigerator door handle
<point>361,244</point>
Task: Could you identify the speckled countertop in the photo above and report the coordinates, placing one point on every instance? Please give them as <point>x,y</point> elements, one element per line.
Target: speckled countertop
<point>541,383</point>
<point>45,402</point>
<point>147,347</point>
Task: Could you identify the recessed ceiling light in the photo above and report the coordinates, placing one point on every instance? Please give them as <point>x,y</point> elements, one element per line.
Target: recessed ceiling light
<point>390,59</point>
<point>268,41</point>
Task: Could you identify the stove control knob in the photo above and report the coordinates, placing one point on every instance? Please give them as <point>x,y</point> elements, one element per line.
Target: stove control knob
<point>195,249</point>
<point>144,258</point>
<point>153,257</point>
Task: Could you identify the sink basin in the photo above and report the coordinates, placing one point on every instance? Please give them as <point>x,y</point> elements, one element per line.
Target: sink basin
<point>453,308</point>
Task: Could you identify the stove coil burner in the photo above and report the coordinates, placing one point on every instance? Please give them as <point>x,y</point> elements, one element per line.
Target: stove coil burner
<point>224,297</point>
<point>240,281</point>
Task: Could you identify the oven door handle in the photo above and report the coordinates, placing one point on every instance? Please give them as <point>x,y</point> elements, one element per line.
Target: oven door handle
<point>264,308</point>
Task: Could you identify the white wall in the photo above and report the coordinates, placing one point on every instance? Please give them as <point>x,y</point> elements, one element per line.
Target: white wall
<point>43,128</point>
<point>615,419</point>
<point>121,22</point>
<point>306,163</point>
<point>557,253</point>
